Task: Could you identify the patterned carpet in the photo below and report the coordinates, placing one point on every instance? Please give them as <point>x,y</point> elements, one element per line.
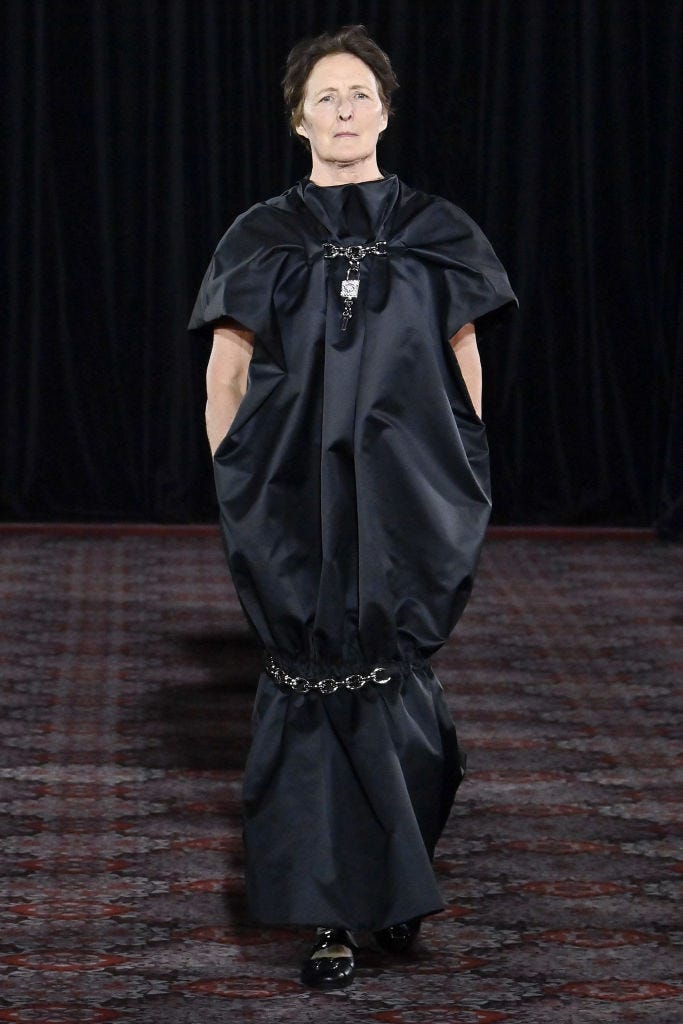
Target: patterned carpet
<point>127,680</point>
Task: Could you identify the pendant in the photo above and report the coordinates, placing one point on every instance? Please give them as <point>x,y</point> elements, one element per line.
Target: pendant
<point>349,292</point>
<point>349,289</point>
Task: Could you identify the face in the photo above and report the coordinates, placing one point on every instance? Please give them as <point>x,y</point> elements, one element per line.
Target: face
<point>343,113</point>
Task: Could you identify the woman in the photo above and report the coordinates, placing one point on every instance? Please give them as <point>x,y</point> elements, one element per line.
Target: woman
<point>343,411</point>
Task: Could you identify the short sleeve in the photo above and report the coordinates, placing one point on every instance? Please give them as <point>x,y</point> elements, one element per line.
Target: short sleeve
<point>477,286</point>
<point>240,278</point>
<point>473,284</point>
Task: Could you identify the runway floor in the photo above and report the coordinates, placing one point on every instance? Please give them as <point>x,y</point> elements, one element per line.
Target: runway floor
<point>127,681</point>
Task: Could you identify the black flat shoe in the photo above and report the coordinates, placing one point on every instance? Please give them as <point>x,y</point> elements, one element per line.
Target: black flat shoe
<point>398,938</point>
<point>330,963</point>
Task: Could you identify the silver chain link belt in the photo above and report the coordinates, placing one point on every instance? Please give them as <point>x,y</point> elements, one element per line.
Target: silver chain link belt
<point>350,285</point>
<point>328,685</point>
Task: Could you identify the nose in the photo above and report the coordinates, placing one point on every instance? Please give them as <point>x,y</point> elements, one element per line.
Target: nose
<point>345,111</point>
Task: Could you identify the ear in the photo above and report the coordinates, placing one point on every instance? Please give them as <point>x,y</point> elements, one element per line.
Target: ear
<point>300,130</point>
<point>384,120</point>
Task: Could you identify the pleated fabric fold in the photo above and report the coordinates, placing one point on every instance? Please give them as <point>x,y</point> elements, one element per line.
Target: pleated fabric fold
<point>345,797</point>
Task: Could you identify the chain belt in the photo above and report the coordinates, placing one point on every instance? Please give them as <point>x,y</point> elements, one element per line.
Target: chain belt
<point>328,685</point>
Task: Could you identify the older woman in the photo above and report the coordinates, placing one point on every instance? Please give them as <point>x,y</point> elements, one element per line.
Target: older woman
<point>343,412</point>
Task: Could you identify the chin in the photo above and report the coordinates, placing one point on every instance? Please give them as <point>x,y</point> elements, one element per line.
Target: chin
<point>355,152</point>
<point>347,146</point>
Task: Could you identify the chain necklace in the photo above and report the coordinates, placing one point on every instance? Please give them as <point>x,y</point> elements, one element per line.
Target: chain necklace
<point>351,283</point>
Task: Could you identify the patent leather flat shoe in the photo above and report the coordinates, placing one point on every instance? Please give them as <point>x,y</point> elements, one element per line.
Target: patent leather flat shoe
<point>398,938</point>
<point>330,963</point>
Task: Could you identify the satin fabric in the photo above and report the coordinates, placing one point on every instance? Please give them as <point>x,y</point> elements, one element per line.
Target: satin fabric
<point>354,494</point>
<point>353,484</point>
<point>345,798</point>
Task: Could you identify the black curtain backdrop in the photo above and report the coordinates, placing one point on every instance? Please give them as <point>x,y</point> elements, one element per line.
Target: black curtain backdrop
<point>135,131</point>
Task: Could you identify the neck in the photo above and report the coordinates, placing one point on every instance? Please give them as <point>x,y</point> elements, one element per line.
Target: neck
<point>326,172</point>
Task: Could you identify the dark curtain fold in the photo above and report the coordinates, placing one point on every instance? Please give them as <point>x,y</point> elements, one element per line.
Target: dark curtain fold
<point>135,132</point>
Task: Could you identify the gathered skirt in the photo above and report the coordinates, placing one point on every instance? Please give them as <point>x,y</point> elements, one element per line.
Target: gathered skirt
<point>345,796</point>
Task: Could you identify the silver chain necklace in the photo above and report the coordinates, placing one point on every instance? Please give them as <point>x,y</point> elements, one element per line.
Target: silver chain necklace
<point>350,285</point>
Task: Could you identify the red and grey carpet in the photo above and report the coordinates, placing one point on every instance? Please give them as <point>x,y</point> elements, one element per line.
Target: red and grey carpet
<point>127,682</point>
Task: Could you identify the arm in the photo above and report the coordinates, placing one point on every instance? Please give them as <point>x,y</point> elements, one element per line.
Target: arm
<point>464,345</point>
<point>226,378</point>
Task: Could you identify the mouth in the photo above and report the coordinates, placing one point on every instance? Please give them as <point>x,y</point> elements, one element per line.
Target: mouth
<point>345,135</point>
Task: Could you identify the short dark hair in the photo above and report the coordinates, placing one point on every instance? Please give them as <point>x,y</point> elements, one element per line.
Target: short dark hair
<point>305,55</point>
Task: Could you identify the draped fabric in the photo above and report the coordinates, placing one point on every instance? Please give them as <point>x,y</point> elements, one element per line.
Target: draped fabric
<point>135,132</point>
<point>353,483</point>
<point>353,488</point>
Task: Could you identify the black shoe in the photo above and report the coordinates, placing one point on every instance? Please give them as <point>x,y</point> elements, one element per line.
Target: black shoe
<point>334,969</point>
<point>398,938</point>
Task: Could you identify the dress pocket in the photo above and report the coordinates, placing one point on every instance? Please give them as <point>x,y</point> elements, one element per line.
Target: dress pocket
<point>259,391</point>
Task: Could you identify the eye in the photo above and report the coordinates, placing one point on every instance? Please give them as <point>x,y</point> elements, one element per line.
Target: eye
<point>362,95</point>
<point>323,99</point>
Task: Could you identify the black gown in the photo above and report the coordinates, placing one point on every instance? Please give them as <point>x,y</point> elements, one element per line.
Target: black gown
<point>354,494</point>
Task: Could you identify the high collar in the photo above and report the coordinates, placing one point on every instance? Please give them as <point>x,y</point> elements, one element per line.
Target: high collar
<point>352,213</point>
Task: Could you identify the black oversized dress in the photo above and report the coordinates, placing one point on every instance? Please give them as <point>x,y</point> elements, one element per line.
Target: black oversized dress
<point>354,494</point>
